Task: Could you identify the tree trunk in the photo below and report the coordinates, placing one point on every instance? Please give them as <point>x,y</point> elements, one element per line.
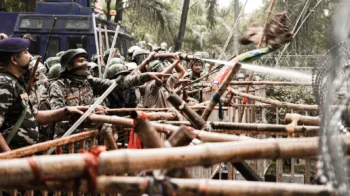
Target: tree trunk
<point>120,10</point>
<point>2,6</point>
<point>182,28</point>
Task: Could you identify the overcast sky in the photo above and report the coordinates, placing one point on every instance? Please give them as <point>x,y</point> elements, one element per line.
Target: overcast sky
<point>250,7</point>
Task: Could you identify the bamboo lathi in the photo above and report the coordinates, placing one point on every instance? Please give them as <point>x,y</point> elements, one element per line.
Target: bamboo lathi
<point>142,185</point>
<point>275,102</point>
<point>216,98</point>
<point>71,166</point>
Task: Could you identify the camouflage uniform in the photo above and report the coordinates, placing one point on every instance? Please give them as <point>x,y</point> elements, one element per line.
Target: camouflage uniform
<point>67,91</point>
<point>12,102</point>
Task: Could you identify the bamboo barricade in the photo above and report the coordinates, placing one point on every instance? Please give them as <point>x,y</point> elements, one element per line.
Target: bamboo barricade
<point>118,110</point>
<point>169,129</point>
<point>302,120</point>
<point>231,127</point>
<point>150,139</point>
<point>198,122</point>
<point>72,166</point>
<point>216,97</point>
<point>270,83</point>
<point>146,132</point>
<point>35,148</point>
<point>275,102</point>
<point>143,185</point>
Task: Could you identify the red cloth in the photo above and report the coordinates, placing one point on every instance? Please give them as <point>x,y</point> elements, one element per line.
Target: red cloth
<point>136,143</point>
<point>244,100</point>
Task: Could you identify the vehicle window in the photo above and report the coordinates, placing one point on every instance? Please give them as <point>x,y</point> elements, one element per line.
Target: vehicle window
<point>53,47</point>
<point>79,24</point>
<point>31,23</point>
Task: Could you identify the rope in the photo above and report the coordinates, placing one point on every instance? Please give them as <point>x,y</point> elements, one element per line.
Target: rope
<point>91,166</point>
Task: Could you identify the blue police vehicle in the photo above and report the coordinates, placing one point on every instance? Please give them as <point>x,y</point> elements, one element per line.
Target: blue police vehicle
<point>73,28</point>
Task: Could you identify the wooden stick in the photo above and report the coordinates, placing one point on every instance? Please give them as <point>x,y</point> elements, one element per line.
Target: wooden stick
<point>72,166</point>
<point>303,120</point>
<point>3,144</point>
<point>190,187</point>
<point>101,44</point>
<point>277,103</point>
<point>220,91</point>
<point>168,129</point>
<point>270,83</point>
<point>106,37</point>
<point>32,76</point>
<point>29,150</point>
<point>272,4</point>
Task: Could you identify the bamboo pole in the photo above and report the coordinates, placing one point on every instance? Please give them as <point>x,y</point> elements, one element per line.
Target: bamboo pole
<point>4,147</point>
<point>109,137</point>
<point>253,127</point>
<point>261,106</point>
<point>147,133</point>
<point>270,83</point>
<point>29,150</point>
<point>168,129</point>
<point>161,116</point>
<point>72,166</point>
<point>190,187</point>
<point>101,44</point>
<point>187,112</point>
<point>275,102</point>
<point>215,99</point>
<point>106,37</point>
<point>302,120</point>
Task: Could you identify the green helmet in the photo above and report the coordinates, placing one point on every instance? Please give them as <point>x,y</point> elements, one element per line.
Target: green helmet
<point>115,61</point>
<point>115,70</point>
<point>69,55</point>
<point>51,61</point>
<point>155,65</point>
<point>60,54</point>
<point>54,71</point>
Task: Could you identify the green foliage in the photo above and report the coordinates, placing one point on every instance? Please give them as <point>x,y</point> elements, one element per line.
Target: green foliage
<point>290,94</point>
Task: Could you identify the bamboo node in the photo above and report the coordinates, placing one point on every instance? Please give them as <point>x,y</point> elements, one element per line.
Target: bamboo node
<point>290,128</point>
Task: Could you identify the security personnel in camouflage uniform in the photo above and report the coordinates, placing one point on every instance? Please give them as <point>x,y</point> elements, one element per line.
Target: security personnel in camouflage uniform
<point>195,73</point>
<point>76,86</point>
<point>18,119</point>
